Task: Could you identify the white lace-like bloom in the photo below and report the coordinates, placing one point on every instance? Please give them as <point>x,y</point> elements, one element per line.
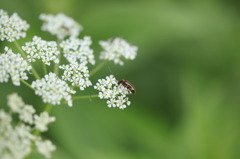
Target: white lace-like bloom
<point>42,121</point>
<point>60,25</point>
<point>75,49</point>
<point>16,140</point>
<point>5,120</point>
<point>40,49</point>
<point>77,74</point>
<point>53,89</point>
<point>17,105</point>
<point>15,102</point>
<point>45,148</point>
<point>12,28</point>
<point>14,66</point>
<point>116,48</point>
<point>116,94</point>
<point>26,114</point>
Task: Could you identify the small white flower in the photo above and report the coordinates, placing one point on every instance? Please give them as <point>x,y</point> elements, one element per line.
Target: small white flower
<point>53,89</point>
<point>116,94</point>
<point>14,66</point>
<point>75,49</point>
<point>116,48</point>
<point>15,102</point>
<point>40,49</point>
<point>12,28</point>
<point>60,25</point>
<point>26,114</point>
<point>42,121</point>
<point>76,74</point>
<point>5,120</point>
<point>45,147</point>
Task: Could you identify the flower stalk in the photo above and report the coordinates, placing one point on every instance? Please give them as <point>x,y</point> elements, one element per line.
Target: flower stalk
<point>34,72</point>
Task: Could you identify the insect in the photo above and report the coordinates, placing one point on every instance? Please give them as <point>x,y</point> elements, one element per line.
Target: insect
<point>64,27</point>
<point>127,85</point>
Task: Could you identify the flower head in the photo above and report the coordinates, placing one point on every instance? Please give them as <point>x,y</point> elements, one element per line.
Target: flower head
<point>40,49</point>
<point>14,66</point>
<point>116,94</point>
<point>60,25</point>
<point>53,89</point>
<point>42,121</point>
<point>15,102</point>
<point>75,49</point>
<point>12,28</point>
<point>16,140</point>
<point>116,48</point>
<point>26,113</point>
<point>77,74</point>
<point>45,147</point>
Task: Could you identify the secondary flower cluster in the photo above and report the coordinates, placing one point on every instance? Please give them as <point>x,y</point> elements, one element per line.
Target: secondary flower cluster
<point>77,74</point>
<point>16,139</point>
<point>60,25</point>
<point>78,50</point>
<point>13,27</point>
<point>117,48</point>
<point>14,66</point>
<point>115,93</point>
<point>40,49</point>
<point>53,90</point>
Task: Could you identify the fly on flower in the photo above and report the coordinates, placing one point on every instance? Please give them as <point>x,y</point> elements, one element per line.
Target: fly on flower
<point>127,85</point>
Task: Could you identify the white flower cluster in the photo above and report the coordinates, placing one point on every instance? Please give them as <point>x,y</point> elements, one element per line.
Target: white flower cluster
<point>77,74</point>
<point>53,89</point>
<point>45,147</point>
<point>60,25</point>
<point>14,66</point>
<point>75,49</point>
<point>115,93</point>
<point>16,139</point>
<point>12,28</point>
<point>42,121</point>
<point>116,48</point>
<point>40,49</point>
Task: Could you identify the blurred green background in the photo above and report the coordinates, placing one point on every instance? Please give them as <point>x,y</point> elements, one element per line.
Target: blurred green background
<point>187,76</point>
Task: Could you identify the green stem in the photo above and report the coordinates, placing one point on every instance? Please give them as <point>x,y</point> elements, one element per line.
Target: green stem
<point>27,84</point>
<point>98,67</point>
<point>56,66</point>
<point>34,72</point>
<point>44,69</point>
<point>85,97</point>
<point>48,108</point>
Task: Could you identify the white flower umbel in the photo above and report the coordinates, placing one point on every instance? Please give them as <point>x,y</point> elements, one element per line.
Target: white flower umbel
<point>115,49</point>
<point>17,105</point>
<point>13,27</point>
<point>26,113</point>
<point>53,89</point>
<point>16,140</point>
<point>76,74</point>
<point>60,25</point>
<point>40,49</point>
<point>42,121</point>
<point>14,66</point>
<point>15,102</point>
<point>45,148</point>
<point>75,49</point>
<point>116,94</point>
